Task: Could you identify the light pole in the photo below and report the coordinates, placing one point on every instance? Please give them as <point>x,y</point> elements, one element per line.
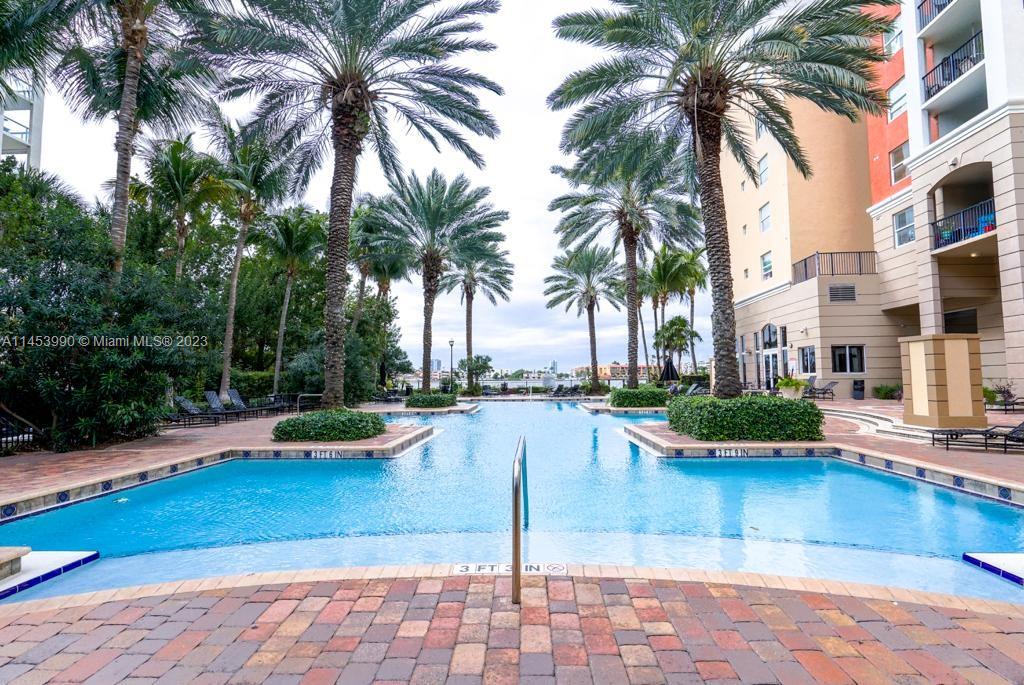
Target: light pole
<point>451,367</point>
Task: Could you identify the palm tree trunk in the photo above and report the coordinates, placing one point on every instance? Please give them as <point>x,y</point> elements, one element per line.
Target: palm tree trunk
<point>708,130</point>
<point>347,134</point>
<point>692,294</point>
<point>594,380</point>
<point>643,338</point>
<point>134,37</point>
<point>229,327</point>
<point>469,339</point>
<point>429,295</point>
<point>279,352</point>
<point>629,245</point>
<point>357,316</point>
<point>657,348</point>
<point>182,235</point>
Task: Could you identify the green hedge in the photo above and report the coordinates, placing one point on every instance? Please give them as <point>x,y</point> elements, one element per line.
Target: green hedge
<point>330,425</point>
<point>644,396</point>
<point>252,384</point>
<point>750,417</point>
<point>887,392</point>
<point>420,400</point>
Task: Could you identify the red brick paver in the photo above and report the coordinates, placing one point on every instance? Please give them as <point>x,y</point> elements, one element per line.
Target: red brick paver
<point>466,630</point>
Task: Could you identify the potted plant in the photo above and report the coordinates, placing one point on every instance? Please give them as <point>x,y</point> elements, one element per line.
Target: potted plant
<point>791,388</point>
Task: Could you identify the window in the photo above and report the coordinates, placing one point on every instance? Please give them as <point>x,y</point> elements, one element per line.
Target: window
<point>903,227</point>
<point>770,336</point>
<point>759,129</point>
<point>848,359</point>
<point>897,99</point>
<point>898,162</point>
<point>807,363</point>
<point>782,336</point>
<point>762,170</point>
<point>961,321</point>
<point>764,217</point>
<point>766,266</point>
<point>743,344</point>
<point>757,342</point>
<point>892,40</point>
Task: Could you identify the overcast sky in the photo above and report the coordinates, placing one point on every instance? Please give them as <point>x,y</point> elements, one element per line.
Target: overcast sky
<point>529,63</point>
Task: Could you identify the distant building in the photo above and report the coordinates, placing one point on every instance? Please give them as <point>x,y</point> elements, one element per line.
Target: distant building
<point>22,118</point>
<point>614,372</point>
<point>554,367</point>
<point>435,365</point>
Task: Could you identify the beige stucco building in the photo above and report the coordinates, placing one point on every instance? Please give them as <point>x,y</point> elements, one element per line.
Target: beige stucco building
<point>913,222</point>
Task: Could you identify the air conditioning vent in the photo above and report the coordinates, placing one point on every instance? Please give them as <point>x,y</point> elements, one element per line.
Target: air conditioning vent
<point>842,293</point>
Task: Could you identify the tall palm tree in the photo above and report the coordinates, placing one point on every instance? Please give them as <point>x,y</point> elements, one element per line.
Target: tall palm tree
<point>489,274</point>
<point>333,75</point>
<point>30,32</point>
<point>437,224</point>
<point>294,237</point>
<point>637,201</point>
<point>361,253</point>
<point>582,279</point>
<point>184,182</point>
<point>703,70</point>
<point>666,281</point>
<point>139,59</point>
<point>694,275</point>
<point>675,336</point>
<point>643,290</point>
<point>256,171</point>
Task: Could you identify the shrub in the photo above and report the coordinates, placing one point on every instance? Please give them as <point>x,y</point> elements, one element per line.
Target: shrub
<point>436,400</point>
<point>887,392</point>
<point>598,389</point>
<point>252,384</point>
<point>474,390</point>
<point>791,382</point>
<point>644,396</point>
<point>750,417</point>
<point>341,425</point>
<point>991,396</point>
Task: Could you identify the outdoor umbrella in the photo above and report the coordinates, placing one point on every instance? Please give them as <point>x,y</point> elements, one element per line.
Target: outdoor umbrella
<point>668,372</point>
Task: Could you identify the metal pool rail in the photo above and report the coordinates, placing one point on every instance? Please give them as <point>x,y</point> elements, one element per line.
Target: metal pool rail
<point>520,511</point>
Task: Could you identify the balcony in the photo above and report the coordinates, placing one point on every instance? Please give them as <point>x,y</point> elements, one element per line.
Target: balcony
<point>16,130</point>
<point>953,66</point>
<point>834,264</point>
<point>968,223</point>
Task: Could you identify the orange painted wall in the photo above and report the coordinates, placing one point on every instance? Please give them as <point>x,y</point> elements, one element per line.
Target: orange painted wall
<point>884,135</point>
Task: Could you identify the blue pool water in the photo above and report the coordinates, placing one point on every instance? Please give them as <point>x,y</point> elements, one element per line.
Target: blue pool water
<point>593,497</point>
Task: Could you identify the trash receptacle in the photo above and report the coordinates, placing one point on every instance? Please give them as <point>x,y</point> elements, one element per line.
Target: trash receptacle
<point>858,390</point>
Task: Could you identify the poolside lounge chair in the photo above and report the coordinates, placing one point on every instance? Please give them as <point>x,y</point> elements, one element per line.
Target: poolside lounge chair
<point>692,390</point>
<point>809,390</point>
<point>825,392</point>
<point>191,410</point>
<point>980,437</point>
<point>189,420</point>
<point>274,406</point>
<point>217,407</point>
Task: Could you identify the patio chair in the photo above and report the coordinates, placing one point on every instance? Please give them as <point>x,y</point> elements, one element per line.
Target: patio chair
<point>272,407</point>
<point>190,420</point>
<point>1008,436</point>
<point>217,407</point>
<point>809,390</point>
<point>979,437</point>
<point>194,412</point>
<point>827,391</point>
<point>692,390</point>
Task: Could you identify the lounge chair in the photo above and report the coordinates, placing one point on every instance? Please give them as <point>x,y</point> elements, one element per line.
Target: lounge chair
<point>825,392</point>
<point>266,408</point>
<point>217,407</point>
<point>980,437</point>
<point>195,413</point>
<point>189,420</point>
<point>809,390</point>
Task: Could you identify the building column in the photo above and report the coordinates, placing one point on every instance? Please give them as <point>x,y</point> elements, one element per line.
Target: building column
<point>942,381</point>
<point>926,210</point>
<point>1009,205</point>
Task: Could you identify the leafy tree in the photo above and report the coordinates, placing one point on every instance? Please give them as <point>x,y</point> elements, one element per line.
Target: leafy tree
<point>478,368</point>
<point>694,277</point>
<point>255,170</point>
<point>702,70</point>
<point>666,281</point>
<point>332,75</point>
<point>491,275</point>
<point>582,279</point>
<point>436,224</point>
<point>29,34</point>
<point>675,336</point>
<point>632,194</point>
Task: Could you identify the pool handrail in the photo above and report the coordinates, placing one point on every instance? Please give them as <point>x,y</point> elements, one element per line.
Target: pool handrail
<point>520,511</point>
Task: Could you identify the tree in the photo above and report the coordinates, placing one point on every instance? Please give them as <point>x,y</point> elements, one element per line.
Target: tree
<point>138,71</point>
<point>694,275</point>
<point>256,171</point>
<point>582,279</point>
<point>489,274</point>
<point>676,336</point>
<point>480,367</point>
<point>185,182</point>
<point>436,224</point>
<point>29,34</point>
<point>294,238</point>
<point>628,191</point>
<point>703,70</point>
<point>330,74</point>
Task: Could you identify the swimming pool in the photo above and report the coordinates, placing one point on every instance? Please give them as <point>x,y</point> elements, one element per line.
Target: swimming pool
<point>594,497</point>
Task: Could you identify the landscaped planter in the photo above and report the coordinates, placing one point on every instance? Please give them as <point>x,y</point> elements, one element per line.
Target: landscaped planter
<point>791,393</point>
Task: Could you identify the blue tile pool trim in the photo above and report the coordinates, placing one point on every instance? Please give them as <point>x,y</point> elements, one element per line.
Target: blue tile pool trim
<point>32,582</point>
<point>1002,573</point>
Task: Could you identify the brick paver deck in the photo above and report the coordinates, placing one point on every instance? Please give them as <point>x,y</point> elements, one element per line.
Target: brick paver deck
<point>463,630</point>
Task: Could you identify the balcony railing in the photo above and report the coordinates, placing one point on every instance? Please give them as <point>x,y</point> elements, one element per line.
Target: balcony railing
<point>928,10</point>
<point>968,223</point>
<point>953,66</point>
<point>17,130</point>
<point>834,264</point>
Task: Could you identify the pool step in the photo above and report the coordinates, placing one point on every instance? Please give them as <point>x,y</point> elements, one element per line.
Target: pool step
<point>1007,565</point>
<point>880,424</point>
<point>38,567</point>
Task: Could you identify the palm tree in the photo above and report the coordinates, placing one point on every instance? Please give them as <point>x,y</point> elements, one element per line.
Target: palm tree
<point>437,224</point>
<point>694,276</point>
<point>583,278</point>
<point>185,183</point>
<point>489,274</point>
<point>637,203</point>
<point>666,281</point>
<point>702,70</point>
<point>30,32</point>
<point>643,290</point>
<point>294,237</point>
<point>676,335</point>
<point>138,66</point>
<point>256,171</point>
<point>331,76</point>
